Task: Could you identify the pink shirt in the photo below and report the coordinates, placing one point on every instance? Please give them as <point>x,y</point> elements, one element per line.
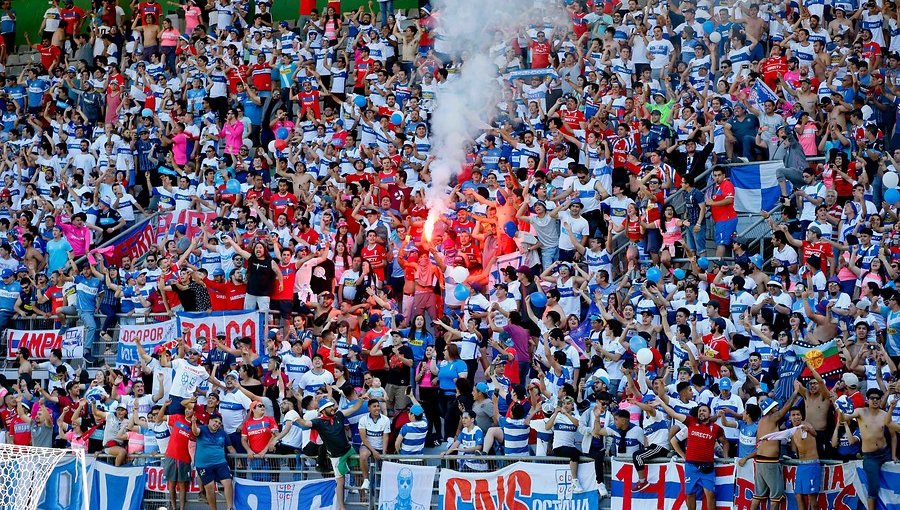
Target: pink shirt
<point>234,137</point>
<point>179,148</point>
<point>79,237</point>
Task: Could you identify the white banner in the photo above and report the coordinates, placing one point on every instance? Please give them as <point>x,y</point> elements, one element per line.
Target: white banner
<point>406,486</point>
<point>150,336</point>
<point>41,342</point>
<point>521,485</point>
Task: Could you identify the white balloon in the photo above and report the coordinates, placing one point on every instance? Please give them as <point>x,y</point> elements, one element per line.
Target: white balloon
<point>459,274</point>
<point>715,37</point>
<point>891,179</point>
<point>645,356</point>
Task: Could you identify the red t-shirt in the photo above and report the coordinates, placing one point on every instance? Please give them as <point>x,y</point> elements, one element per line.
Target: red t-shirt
<point>716,348</point>
<point>821,249</point>
<point>374,362</point>
<point>181,436</point>
<point>261,76</point>
<point>226,295</point>
<point>375,255</point>
<point>289,273</point>
<point>723,212</point>
<point>21,431</point>
<point>701,440</point>
<point>49,54</point>
<point>259,432</point>
<point>283,204</point>
<point>540,54</point>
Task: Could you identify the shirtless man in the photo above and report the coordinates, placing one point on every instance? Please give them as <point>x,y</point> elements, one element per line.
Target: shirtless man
<point>872,421</point>
<point>769,474</point>
<point>150,31</point>
<point>824,329</point>
<point>817,400</point>
<point>808,482</point>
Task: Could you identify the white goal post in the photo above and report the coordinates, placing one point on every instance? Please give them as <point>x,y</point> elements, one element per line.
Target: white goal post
<point>24,471</point>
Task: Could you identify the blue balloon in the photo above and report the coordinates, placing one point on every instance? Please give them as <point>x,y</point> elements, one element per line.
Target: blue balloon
<point>892,196</point>
<point>539,300</point>
<point>396,118</point>
<point>233,186</point>
<point>703,262</point>
<point>282,133</point>
<point>460,292</point>
<point>708,27</point>
<point>637,343</point>
<point>360,101</point>
<point>510,228</point>
<point>653,275</point>
<point>679,274</point>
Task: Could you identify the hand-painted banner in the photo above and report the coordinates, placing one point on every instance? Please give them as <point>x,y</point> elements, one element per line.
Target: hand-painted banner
<point>406,486</point>
<point>193,325</point>
<point>666,489</point>
<point>520,485</point>
<point>41,342</point>
<point>150,336</point>
<point>308,495</point>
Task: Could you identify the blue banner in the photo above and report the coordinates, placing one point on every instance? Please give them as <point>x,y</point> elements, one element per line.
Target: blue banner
<point>117,488</point>
<point>308,495</point>
<point>65,487</point>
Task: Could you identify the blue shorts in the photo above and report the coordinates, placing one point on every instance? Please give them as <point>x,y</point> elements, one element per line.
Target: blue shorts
<point>175,406</point>
<point>724,231</point>
<point>695,481</point>
<point>808,479</point>
<point>214,473</point>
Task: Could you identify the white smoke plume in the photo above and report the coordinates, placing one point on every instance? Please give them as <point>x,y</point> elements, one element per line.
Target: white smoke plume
<point>467,102</point>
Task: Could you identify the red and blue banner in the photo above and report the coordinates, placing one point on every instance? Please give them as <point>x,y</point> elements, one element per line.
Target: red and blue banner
<point>136,244</point>
<point>842,486</point>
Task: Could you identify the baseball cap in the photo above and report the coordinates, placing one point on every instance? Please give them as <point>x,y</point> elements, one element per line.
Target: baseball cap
<point>851,380</point>
<point>325,405</point>
<point>768,405</point>
<point>482,388</point>
<point>7,273</point>
<point>417,410</point>
<point>218,272</point>
<point>724,384</point>
<point>233,373</point>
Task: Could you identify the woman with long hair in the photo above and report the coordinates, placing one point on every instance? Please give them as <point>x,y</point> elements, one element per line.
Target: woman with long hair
<point>429,391</point>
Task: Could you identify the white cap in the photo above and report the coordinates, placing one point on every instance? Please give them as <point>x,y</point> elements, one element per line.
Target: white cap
<point>850,380</point>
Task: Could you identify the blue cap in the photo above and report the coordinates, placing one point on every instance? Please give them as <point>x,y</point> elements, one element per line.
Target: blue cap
<point>218,272</point>
<point>648,398</point>
<point>283,24</point>
<point>482,387</point>
<point>181,229</point>
<point>21,269</point>
<point>768,405</point>
<point>757,261</point>
<point>7,273</point>
<point>417,410</point>
<point>724,384</point>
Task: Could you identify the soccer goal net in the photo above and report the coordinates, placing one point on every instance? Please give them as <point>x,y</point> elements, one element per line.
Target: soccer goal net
<point>24,471</point>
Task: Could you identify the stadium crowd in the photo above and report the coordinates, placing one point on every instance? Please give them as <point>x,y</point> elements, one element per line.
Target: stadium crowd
<point>634,323</point>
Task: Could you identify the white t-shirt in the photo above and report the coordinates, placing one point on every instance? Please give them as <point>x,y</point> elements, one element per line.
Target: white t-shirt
<point>233,407</point>
<point>294,437</point>
<point>375,430</point>
<point>187,378</point>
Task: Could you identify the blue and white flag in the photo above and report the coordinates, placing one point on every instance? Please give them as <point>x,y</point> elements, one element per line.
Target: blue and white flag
<point>65,487</point>
<point>308,495</point>
<point>117,488</point>
<point>755,187</point>
<point>760,93</point>
<point>889,495</point>
<point>526,74</point>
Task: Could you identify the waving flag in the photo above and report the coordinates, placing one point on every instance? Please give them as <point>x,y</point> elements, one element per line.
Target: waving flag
<point>824,358</point>
<point>755,187</point>
<point>760,93</point>
<point>778,435</point>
